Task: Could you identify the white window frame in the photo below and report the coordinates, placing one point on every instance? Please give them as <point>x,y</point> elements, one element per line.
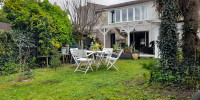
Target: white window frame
<point>126,14</point>
<point>132,15</point>
<point>139,12</point>
<point>142,12</point>
<point>120,20</point>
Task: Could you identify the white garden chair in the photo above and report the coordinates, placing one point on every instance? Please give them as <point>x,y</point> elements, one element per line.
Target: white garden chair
<point>81,56</point>
<point>108,53</point>
<point>72,51</point>
<point>113,60</point>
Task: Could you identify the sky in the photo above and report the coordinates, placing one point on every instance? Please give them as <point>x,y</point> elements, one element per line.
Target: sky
<point>103,2</point>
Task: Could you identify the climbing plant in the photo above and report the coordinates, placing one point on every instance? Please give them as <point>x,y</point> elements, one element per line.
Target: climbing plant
<point>168,37</point>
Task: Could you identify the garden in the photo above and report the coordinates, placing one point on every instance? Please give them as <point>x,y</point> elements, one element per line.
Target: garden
<point>131,82</point>
<point>41,30</point>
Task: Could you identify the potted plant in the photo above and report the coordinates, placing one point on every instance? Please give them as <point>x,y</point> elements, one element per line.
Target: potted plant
<point>135,55</point>
<point>127,49</point>
<point>94,48</point>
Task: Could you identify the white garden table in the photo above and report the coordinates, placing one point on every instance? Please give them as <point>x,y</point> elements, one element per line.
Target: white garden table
<point>99,55</point>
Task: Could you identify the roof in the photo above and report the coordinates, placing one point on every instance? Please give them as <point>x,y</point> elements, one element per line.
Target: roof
<point>98,5</point>
<point>5,26</point>
<point>126,4</point>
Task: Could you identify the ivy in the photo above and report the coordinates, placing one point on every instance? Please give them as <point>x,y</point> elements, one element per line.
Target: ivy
<point>168,38</point>
<point>172,70</point>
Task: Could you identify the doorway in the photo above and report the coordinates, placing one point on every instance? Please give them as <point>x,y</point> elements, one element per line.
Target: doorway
<point>112,40</point>
<point>139,40</point>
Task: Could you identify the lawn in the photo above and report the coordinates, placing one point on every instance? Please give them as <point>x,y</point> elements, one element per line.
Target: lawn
<point>130,82</point>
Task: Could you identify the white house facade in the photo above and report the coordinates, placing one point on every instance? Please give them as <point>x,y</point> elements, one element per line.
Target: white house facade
<point>136,23</point>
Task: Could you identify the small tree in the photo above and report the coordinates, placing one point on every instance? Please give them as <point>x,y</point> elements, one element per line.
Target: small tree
<point>24,42</point>
<point>83,17</point>
<point>55,59</point>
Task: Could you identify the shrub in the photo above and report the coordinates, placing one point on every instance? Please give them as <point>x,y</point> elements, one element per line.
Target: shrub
<point>8,48</point>
<point>154,69</point>
<point>9,68</point>
<point>33,62</point>
<point>55,59</point>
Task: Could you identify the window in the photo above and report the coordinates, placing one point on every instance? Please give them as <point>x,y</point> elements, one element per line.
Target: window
<point>118,17</point>
<point>144,12</point>
<point>130,14</point>
<point>113,16</point>
<point>124,14</point>
<point>137,13</point>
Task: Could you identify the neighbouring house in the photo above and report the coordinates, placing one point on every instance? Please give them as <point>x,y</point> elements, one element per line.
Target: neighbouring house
<point>134,23</point>
<point>5,26</point>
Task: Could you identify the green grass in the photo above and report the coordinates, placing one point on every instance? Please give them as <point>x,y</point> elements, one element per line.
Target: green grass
<point>127,83</point>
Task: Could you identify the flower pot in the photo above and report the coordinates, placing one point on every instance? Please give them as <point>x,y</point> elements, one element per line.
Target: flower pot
<point>135,56</point>
<point>64,50</point>
<point>127,51</point>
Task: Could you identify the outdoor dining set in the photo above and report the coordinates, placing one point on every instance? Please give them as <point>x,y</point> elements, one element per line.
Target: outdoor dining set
<point>97,58</point>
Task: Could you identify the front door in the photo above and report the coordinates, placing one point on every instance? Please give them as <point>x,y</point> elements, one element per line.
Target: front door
<point>112,40</point>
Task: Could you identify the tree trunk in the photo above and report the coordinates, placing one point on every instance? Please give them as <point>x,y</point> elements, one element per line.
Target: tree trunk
<point>189,36</point>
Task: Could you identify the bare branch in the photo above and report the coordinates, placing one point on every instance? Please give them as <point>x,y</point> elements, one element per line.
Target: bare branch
<point>83,15</point>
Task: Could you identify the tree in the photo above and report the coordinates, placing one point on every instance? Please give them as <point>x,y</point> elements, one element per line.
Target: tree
<point>24,43</point>
<point>83,17</point>
<point>46,21</point>
<point>168,37</point>
<point>189,10</point>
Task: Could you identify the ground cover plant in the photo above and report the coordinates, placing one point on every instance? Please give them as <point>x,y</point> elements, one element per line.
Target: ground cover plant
<point>130,82</point>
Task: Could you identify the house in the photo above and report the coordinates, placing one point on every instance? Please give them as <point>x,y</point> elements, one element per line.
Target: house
<point>134,23</point>
<point>5,26</point>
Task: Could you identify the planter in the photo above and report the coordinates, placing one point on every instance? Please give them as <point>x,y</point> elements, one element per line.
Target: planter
<point>135,56</point>
<point>126,56</point>
<point>127,51</point>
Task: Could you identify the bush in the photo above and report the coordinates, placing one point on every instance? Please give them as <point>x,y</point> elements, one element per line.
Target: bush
<point>33,62</point>
<point>157,74</point>
<point>9,68</point>
<point>55,59</point>
<point>8,48</point>
<point>154,69</point>
<point>190,80</point>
